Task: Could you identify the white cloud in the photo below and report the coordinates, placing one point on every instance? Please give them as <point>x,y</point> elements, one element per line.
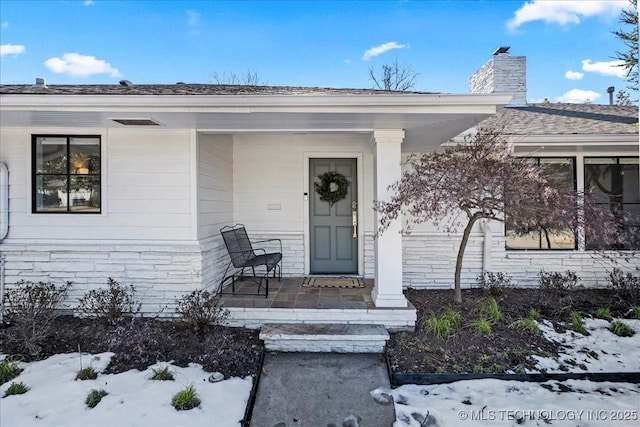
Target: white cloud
<point>379,50</point>
<point>77,65</point>
<point>564,12</point>
<point>578,96</point>
<point>609,68</point>
<point>573,75</point>
<point>87,2</point>
<point>12,49</point>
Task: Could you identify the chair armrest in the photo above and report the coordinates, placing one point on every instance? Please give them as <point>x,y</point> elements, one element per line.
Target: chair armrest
<point>270,240</point>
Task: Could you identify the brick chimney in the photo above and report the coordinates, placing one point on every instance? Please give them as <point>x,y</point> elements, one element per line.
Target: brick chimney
<point>502,73</point>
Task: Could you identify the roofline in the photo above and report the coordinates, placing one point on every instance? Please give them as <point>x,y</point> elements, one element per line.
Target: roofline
<point>250,103</point>
<point>573,139</point>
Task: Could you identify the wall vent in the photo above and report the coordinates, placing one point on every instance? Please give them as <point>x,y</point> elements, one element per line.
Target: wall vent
<point>137,122</point>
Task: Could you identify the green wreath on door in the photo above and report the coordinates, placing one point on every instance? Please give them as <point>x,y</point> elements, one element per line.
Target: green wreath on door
<point>332,193</point>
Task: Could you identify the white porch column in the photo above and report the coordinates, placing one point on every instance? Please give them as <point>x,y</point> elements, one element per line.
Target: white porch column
<point>387,291</point>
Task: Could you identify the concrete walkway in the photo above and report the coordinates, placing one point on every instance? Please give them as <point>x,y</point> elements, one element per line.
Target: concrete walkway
<point>321,390</point>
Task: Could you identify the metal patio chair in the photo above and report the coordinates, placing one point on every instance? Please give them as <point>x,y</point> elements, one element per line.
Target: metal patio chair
<point>244,256</point>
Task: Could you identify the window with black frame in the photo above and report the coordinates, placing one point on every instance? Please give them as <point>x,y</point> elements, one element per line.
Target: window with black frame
<point>548,237</point>
<point>66,174</point>
<point>615,183</point>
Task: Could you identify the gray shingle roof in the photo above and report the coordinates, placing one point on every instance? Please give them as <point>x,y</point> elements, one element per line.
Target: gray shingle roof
<point>568,119</point>
<point>185,89</point>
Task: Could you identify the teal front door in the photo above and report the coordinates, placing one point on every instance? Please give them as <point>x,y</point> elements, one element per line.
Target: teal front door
<point>333,237</point>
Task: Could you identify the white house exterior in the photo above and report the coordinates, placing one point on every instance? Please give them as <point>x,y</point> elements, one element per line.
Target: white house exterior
<point>178,162</point>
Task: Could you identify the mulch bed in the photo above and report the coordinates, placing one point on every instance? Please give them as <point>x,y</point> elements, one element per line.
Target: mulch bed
<point>505,349</point>
<point>139,343</point>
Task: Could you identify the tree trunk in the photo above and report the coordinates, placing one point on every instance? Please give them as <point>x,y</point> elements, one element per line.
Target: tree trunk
<point>546,235</point>
<point>463,245</point>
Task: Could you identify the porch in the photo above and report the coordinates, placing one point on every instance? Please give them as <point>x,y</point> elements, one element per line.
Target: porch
<point>291,302</point>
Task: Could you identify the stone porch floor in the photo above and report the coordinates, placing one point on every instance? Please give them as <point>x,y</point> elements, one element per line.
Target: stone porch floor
<point>290,302</point>
<point>289,293</point>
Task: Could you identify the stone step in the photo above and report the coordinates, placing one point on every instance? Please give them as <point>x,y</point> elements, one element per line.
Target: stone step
<point>324,337</point>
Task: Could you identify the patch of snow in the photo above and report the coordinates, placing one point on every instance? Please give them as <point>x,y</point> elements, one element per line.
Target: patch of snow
<point>600,351</point>
<point>56,399</point>
<point>493,402</point>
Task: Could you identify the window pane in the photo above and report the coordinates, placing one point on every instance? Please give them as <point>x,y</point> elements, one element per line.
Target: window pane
<point>51,155</point>
<point>563,168</point>
<point>600,161</point>
<point>84,156</point>
<point>561,240</point>
<point>50,193</point>
<point>84,194</point>
<point>630,183</point>
<point>601,180</point>
<point>616,184</point>
<point>530,240</point>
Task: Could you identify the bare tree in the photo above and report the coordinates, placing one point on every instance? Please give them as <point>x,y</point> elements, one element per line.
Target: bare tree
<point>394,76</point>
<point>623,99</point>
<point>481,178</point>
<point>630,38</point>
<point>251,78</point>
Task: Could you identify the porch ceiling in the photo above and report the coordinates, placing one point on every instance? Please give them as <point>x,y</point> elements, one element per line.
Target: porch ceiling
<point>428,120</point>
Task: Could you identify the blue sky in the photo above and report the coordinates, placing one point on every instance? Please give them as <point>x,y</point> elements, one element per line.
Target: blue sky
<point>568,44</point>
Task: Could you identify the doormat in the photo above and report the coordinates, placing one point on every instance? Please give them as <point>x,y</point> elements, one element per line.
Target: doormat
<point>333,282</point>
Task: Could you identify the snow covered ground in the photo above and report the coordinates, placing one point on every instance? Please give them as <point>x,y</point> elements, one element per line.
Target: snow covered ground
<point>492,402</point>
<point>56,399</point>
<point>600,351</point>
<point>571,403</point>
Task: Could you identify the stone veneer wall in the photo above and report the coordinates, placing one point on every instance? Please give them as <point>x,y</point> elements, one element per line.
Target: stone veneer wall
<point>429,262</point>
<point>160,274</point>
<point>292,250</point>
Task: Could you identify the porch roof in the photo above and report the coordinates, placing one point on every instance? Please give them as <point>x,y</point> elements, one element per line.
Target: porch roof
<point>428,119</point>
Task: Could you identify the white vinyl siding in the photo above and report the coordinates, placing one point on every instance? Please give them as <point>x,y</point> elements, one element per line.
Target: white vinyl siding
<point>145,186</point>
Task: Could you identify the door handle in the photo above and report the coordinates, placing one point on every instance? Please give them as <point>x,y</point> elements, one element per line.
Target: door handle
<point>354,222</point>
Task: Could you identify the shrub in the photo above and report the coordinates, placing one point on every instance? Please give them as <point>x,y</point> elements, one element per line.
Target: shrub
<point>495,284</point>
<point>556,281</point>
<point>8,370</point>
<point>577,324</point>
<point>635,312</point>
<point>626,286</point>
<point>94,397</point>
<point>162,374</point>
<point>111,304</point>
<point>525,325</point>
<point>604,313</point>
<point>32,308</point>
<point>200,309</point>
<point>86,374</point>
<point>186,399</point>
<point>481,326</point>
<point>490,310</point>
<point>621,329</point>
<point>137,341</point>
<point>16,388</point>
